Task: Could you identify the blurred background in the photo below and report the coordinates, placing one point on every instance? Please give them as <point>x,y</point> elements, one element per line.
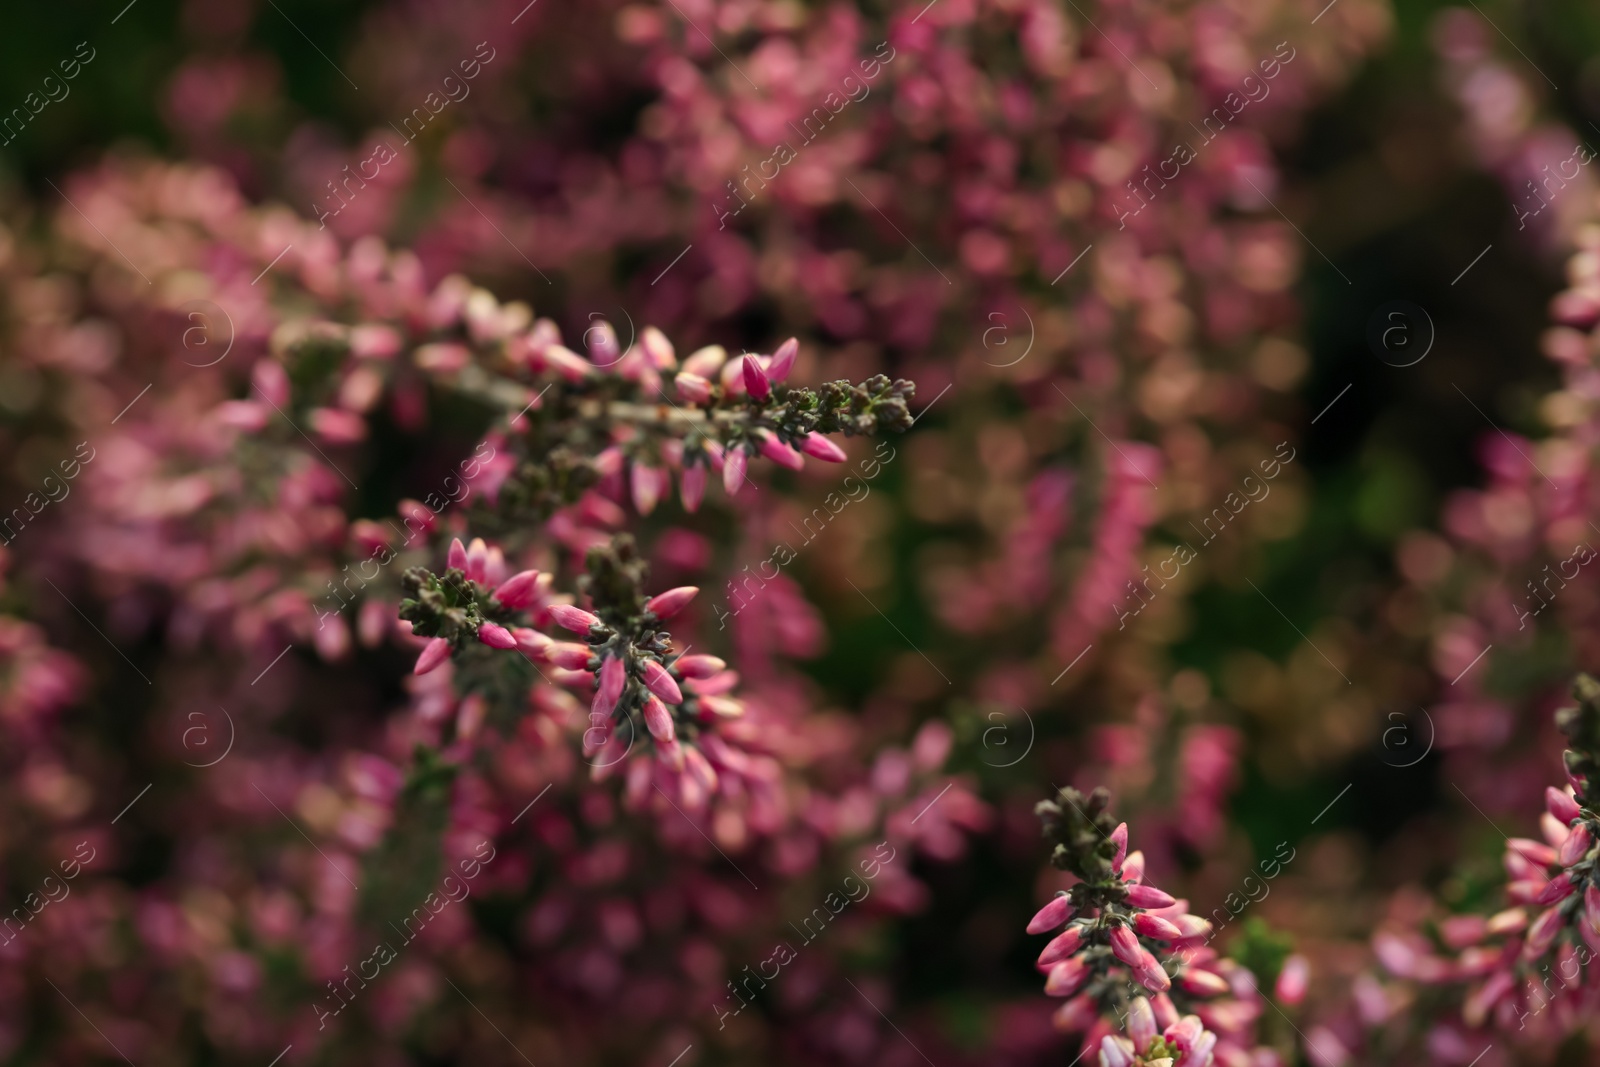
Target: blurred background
<point>1294,688</point>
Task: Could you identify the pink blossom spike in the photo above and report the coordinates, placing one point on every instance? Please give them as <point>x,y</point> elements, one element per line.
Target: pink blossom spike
<point>1148,896</point>
<point>519,590</point>
<point>666,605</point>
<point>814,444</point>
<point>657,719</point>
<point>662,684</point>
<point>574,618</point>
<point>783,360</point>
<point>435,652</point>
<point>693,487</point>
<point>496,636</point>
<point>756,382</point>
<point>1052,915</point>
<point>456,558</point>
<point>733,470</point>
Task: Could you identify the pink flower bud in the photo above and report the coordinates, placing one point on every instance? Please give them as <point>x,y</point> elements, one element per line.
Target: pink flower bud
<point>1202,983</point>
<point>666,605</point>
<point>574,618</point>
<point>783,360</point>
<point>530,642</point>
<point>1119,837</point>
<point>692,388</point>
<point>706,361</point>
<point>645,482</point>
<point>1149,973</point>
<point>782,454</point>
<point>1166,1012</point>
<point>613,676</point>
<point>1542,934</point>
<point>700,666</point>
<point>519,590</point>
<point>1133,867</point>
<point>1154,926</point>
<point>1052,915</point>
<point>1292,980</point>
<point>478,561</point>
<point>1066,978</point>
<point>271,381</point>
<point>657,719</point>
<point>1557,889</point>
<point>658,348</point>
<point>496,636</point>
<point>1125,945</point>
<point>1142,1023</point>
<point>814,444</point>
<point>1060,947</point>
<point>756,382</point>
<point>568,655</point>
<point>733,470</point>
<point>693,487</point>
<point>1480,1002</point>
<point>1561,805</point>
<point>456,558</point>
<point>1148,896</point>
<point>602,342</point>
<point>1575,847</point>
<point>1536,852</point>
<point>1075,1015</point>
<point>662,684</point>
<point>1116,1052</point>
<point>435,652</point>
<point>1506,922</point>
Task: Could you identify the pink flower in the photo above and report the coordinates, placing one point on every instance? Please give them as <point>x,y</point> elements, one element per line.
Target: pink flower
<point>496,636</point>
<point>657,719</point>
<point>613,676</point>
<point>693,487</point>
<point>1052,915</point>
<point>1061,946</point>
<point>692,388</point>
<point>1148,896</point>
<point>814,444</point>
<point>1119,837</point>
<point>1293,979</point>
<point>568,655</point>
<point>733,468</point>
<point>783,360</point>
<point>1066,978</point>
<point>574,618</point>
<point>666,605</point>
<point>1154,926</point>
<point>756,382</point>
<point>660,683</point>
<point>1561,805</point>
<point>518,591</point>
<point>699,666</point>
<point>646,483</point>
<point>1575,847</point>
<point>435,652</point>
<point>781,454</point>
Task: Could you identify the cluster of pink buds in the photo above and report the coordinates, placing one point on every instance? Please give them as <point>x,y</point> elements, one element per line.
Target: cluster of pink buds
<point>1117,929</point>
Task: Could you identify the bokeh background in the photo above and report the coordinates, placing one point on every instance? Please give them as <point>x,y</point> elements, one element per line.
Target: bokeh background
<point>1303,683</point>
